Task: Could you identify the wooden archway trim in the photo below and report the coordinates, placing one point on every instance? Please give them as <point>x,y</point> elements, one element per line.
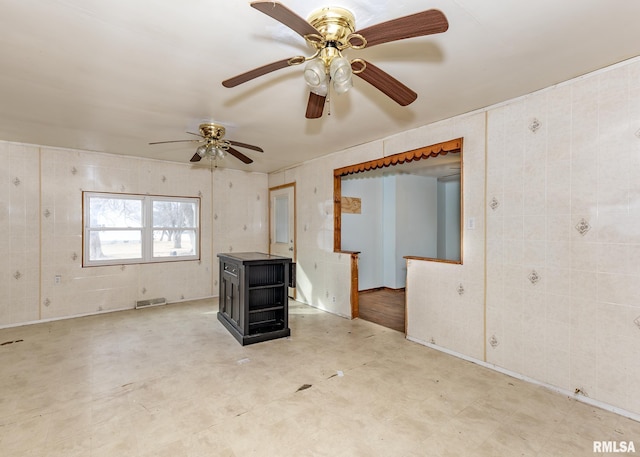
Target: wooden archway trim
<point>435,150</point>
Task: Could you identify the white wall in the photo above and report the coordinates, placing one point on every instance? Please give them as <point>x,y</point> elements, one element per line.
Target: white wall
<point>416,222</point>
<point>389,247</point>
<point>562,212</point>
<point>578,325</point>
<point>41,222</point>
<point>449,229</point>
<point>398,219</point>
<point>363,232</point>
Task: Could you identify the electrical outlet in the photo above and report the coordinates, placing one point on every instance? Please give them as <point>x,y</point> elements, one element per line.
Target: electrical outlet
<point>333,299</point>
<point>57,279</point>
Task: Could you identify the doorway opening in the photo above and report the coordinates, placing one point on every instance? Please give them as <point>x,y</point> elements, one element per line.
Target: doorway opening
<point>282,225</point>
<point>407,205</point>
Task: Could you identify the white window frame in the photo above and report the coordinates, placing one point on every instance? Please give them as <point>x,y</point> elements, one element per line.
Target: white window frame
<point>146,229</point>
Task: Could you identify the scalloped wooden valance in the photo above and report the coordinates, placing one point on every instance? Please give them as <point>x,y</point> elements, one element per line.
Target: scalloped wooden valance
<point>452,146</point>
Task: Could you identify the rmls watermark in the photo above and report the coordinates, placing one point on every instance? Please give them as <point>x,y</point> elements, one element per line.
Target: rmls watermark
<point>614,447</point>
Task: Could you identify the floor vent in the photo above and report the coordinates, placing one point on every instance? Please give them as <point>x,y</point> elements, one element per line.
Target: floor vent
<point>150,302</point>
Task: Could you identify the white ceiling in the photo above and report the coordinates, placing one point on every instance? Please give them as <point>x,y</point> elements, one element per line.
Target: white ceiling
<point>112,76</point>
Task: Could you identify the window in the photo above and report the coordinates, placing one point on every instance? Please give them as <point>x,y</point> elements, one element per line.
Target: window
<point>282,219</point>
<point>125,228</point>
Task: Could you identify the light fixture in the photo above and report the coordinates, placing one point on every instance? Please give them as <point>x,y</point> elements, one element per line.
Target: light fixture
<point>314,73</point>
<point>214,150</point>
<point>322,89</point>
<point>342,87</point>
<point>340,70</point>
<point>329,66</point>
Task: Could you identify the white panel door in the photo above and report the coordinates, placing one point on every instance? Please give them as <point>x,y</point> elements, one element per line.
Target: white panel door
<point>282,225</point>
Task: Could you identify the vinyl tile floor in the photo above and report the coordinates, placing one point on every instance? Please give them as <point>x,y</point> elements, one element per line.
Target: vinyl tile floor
<point>171,381</point>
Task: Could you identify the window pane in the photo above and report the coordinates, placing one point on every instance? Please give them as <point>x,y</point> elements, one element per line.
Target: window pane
<point>114,244</point>
<point>170,214</point>
<point>282,219</point>
<point>129,228</point>
<point>171,243</point>
<point>115,212</point>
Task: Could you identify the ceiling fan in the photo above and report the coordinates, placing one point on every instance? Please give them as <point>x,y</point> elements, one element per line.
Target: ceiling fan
<point>213,146</point>
<point>332,30</point>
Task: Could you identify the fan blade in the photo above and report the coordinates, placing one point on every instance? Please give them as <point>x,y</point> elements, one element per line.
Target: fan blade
<point>238,155</point>
<point>245,145</point>
<point>315,107</point>
<point>252,74</point>
<point>176,141</point>
<point>411,26</point>
<point>285,16</point>
<point>196,134</point>
<point>196,158</point>
<point>386,83</point>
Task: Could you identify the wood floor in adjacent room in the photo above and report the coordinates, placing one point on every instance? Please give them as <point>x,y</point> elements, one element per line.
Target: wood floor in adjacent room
<point>383,306</point>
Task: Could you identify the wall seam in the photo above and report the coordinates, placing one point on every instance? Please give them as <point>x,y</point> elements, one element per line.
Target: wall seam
<point>213,250</point>
<point>40,233</point>
<point>486,173</point>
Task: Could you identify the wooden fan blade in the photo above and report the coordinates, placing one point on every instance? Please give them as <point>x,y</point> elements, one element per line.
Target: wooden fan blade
<point>175,141</point>
<point>252,74</point>
<point>315,106</point>
<point>238,155</point>
<point>245,145</point>
<point>386,83</point>
<point>285,16</point>
<point>411,26</point>
<point>196,158</point>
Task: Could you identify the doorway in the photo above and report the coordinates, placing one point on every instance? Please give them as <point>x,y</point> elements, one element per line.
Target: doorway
<point>282,223</point>
<point>407,205</point>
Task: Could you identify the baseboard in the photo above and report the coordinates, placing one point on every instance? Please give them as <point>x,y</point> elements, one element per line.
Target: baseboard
<point>96,313</point>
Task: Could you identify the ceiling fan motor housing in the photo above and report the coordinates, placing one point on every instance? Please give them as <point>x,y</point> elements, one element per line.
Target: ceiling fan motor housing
<point>212,131</point>
<point>334,24</point>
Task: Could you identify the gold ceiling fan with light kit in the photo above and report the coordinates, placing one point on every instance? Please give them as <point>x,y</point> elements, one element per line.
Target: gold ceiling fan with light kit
<point>330,31</point>
<point>213,145</point>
